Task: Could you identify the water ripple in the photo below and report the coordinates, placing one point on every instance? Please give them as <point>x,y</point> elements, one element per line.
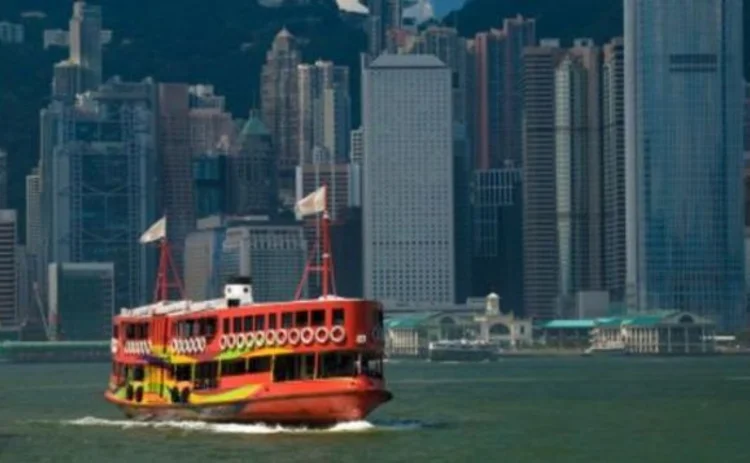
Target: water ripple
<point>229,428</point>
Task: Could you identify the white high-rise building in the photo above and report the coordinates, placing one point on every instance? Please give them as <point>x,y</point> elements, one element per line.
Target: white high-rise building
<point>408,227</point>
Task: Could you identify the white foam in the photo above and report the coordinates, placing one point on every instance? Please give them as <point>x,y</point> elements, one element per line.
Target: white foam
<point>199,426</point>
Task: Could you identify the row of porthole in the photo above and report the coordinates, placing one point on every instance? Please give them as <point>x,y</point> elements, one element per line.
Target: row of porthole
<point>133,347</point>
<point>281,337</point>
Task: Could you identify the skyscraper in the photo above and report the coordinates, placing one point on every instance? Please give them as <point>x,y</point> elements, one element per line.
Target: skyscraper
<point>280,106</point>
<point>384,19</point>
<point>325,108</point>
<point>98,194</point>
<point>408,226</point>
<point>613,162</point>
<point>499,92</point>
<point>683,122</point>
<point>86,44</point>
<point>9,313</point>
<point>578,169</point>
<point>540,271</point>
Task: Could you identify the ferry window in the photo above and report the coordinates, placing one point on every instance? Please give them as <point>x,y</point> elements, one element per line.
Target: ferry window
<point>225,326</point>
<point>233,367</point>
<point>301,318</point>
<point>259,364</point>
<point>115,331</point>
<point>210,328</point>
<point>237,325</point>
<point>183,372</point>
<point>248,322</point>
<point>129,333</point>
<point>260,321</point>
<point>338,316</point>
<point>272,321</point>
<point>206,375</point>
<point>294,367</point>
<point>318,318</point>
<point>337,364</point>
<point>286,320</point>
<point>138,373</point>
<point>372,365</point>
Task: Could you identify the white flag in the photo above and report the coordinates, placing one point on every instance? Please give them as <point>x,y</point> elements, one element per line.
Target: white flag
<point>156,232</point>
<point>311,204</point>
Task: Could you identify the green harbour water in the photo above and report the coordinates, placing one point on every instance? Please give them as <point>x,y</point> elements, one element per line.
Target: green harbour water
<point>516,410</point>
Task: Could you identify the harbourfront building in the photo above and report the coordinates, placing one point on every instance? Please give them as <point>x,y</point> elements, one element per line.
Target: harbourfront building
<point>684,93</point>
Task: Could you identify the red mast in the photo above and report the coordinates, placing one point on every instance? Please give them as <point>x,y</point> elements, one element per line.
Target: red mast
<point>158,233</point>
<point>166,264</point>
<point>314,203</point>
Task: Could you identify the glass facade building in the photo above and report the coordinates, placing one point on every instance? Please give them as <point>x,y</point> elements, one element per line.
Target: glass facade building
<point>683,104</point>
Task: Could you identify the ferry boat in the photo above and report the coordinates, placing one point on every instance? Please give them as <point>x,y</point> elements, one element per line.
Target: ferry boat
<point>304,361</point>
<point>461,350</point>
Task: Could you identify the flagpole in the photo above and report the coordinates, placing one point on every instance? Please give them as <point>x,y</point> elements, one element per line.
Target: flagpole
<point>326,243</point>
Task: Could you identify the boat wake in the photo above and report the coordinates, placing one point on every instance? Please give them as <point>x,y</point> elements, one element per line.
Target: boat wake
<point>227,428</point>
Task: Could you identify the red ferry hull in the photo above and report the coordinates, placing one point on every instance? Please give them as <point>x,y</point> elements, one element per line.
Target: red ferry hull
<point>322,408</point>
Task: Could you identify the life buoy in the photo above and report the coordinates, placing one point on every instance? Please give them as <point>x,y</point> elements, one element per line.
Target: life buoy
<point>294,336</point>
<point>260,339</point>
<point>240,341</point>
<point>223,342</point>
<point>249,340</point>
<point>173,344</point>
<point>307,335</point>
<point>183,346</point>
<point>194,345</point>
<point>270,338</point>
<point>321,335</point>
<point>281,337</point>
<point>231,341</point>
<point>202,343</point>
<point>338,334</point>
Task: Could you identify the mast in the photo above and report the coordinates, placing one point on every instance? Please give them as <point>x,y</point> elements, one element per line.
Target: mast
<point>157,233</point>
<point>315,203</point>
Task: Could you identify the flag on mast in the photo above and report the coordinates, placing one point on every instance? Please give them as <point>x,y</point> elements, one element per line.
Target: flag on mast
<point>156,232</point>
<point>311,204</point>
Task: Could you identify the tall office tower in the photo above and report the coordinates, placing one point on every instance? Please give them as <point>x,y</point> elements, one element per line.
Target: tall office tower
<point>9,314</point>
<point>33,212</point>
<point>408,236</point>
<point>384,21</point>
<point>497,241</point>
<point>683,124</point>
<point>3,179</point>
<point>252,171</point>
<point>98,192</point>
<point>325,107</point>
<point>498,57</point>
<point>578,176</point>
<point>176,166</point>
<point>613,160</point>
<point>86,44</point>
<point>540,271</point>
<point>81,300</point>
<point>280,105</point>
